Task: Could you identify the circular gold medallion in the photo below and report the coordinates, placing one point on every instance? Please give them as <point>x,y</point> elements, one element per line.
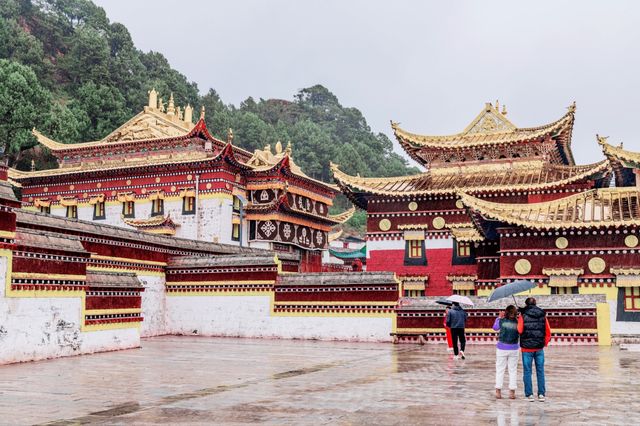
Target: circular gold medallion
<point>72,187</point>
<point>459,204</point>
<point>384,224</point>
<point>144,190</point>
<point>189,177</point>
<point>596,265</point>
<point>31,199</point>
<point>99,185</point>
<point>523,266</point>
<point>413,206</point>
<point>128,181</point>
<point>631,241</point>
<point>85,195</point>
<point>208,186</point>
<point>173,189</point>
<point>45,189</point>
<point>157,180</point>
<point>438,222</point>
<point>562,242</point>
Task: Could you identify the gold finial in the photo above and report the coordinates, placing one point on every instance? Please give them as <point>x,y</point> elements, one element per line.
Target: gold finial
<point>504,109</point>
<point>179,112</point>
<point>160,105</point>
<point>171,107</point>
<point>202,112</point>
<point>267,148</point>
<point>153,98</point>
<point>188,114</point>
<point>288,149</point>
<point>33,165</point>
<point>497,105</point>
<point>602,140</point>
<point>621,145</point>
<point>229,135</point>
<point>278,147</point>
<point>572,107</point>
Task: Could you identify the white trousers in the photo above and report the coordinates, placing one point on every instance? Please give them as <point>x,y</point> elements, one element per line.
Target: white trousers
<point>504,359</point>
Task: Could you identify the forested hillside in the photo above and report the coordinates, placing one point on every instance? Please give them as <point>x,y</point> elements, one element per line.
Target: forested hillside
<point>68,71</point>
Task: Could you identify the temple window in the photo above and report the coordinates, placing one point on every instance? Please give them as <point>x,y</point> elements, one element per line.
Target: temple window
<point>189,205</point>
<point>45,209</point>
<point>465,292</point>
<point>128,209</point>
<point>415,249</point>
<point>414,293</point>
<point>632,298</point>
<point>235,232</point>
<point>98,210</point>
<point>414,253</point>
<point>72,212</point>
<point>236,204</point>
<point>157,207</point>
<point>464,249</point>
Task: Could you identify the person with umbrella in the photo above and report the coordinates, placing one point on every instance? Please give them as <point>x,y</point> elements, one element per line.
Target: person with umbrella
<point>447,330</point>
<point>507,350</point>
<point>456,321</point>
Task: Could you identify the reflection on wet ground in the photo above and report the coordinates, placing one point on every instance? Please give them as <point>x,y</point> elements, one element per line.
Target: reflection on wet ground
<point>235,381</point>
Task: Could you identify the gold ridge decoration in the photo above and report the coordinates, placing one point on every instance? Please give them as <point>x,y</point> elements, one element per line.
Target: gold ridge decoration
<point>407,226</point>
<point>596,265</point>
<point>594,208</point>
<point>624,271</point>
<point>519,175</point>
<point>465,232</point>
<point>522,266</point>
<point>335,235</point>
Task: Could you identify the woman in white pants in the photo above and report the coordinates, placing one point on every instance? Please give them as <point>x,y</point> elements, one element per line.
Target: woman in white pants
<point>507,350</point>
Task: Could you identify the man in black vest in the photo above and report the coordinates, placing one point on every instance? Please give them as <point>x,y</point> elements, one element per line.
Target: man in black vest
<point>535,334</point>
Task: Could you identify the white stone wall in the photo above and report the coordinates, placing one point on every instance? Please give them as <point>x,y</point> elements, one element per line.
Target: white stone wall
<point>153,305</point>
<point>622,327</point>
<point>40,328</point>
<point>250,316</point>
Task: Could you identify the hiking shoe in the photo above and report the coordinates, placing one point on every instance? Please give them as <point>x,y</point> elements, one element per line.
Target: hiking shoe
<point>462,355</point>
<point>541,398</point>
<point>530,398</point>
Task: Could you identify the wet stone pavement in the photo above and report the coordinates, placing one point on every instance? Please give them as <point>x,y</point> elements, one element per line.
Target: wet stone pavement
<point>198,380</point>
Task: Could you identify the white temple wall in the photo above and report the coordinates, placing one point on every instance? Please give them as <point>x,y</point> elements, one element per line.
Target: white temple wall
<point>622,328</point>
<point>153,305</point>
<point>373,245</point>
<point>34,328</point>
<point>250,316</point>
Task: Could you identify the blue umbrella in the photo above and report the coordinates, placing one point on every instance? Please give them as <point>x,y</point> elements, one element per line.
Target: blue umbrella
<point>510,289</point>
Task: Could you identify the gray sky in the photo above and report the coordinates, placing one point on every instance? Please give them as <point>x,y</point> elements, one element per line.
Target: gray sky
<point>429,65</point>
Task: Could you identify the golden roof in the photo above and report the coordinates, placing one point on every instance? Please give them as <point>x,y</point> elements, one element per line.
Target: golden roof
<point>154,224</point>
<point>617,153</point>
<point>489,127</point>
<point>465,232</point>
<point>151,123</point>
<point>516,175</point>
<point>344,216</point>
<point>335,235</point>
<point>595,208</point>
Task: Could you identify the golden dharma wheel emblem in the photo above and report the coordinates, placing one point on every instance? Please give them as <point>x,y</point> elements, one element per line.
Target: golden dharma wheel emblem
<point>562,243</point>
<point>596,265</point>
<point>85,195</point>
<point>413,206</point>
<point>459,204</point>
<point>438,222</point>
<point>384,224</point>
<point>72,187</point>
<point>631,241</point>
<point>157,180</point>
<point>113,193</point>
<point>523,266</point>
<point>189,177</point>
<point>144,190</point>
<point>208,186</point>
<point>173,189</point>
<point>128,181</point>
<point>45,189</point>
<point>99,185</point>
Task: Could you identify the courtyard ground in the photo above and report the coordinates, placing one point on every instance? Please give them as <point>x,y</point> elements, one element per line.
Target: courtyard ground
<point>201,380</point>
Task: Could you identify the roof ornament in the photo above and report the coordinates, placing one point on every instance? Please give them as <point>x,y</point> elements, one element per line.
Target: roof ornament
<point>278,148</point>
<point>287,150</point>
<point>602,140</point>
<point>188,114</point>
<point>572,107</point>
<point>202,112</point>
<point>153,98</point>
<point>497,105</point>
<point>504,109</point>
<point>33,165</point>
<point>160,105</point>
<point>229,135</point>
<point>171,107</point>
<point>179,112</point>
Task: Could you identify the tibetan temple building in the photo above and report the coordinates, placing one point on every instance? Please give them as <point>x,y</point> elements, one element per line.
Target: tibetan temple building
<point>499,203</point>
<point>162,174</point>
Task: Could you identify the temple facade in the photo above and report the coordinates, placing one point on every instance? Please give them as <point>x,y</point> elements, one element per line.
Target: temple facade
<point>161,173</point>
<point>499,203</point>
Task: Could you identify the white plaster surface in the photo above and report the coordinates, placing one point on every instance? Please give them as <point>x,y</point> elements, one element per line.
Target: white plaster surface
<point>622,327</point>
<point>249,316</point>
<point>438,243</point>
<point>153,305</point>
<point>373,245</point>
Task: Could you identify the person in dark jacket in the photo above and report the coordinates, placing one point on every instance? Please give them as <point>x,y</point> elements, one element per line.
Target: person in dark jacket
<point>456,320</point>
<point>507,350</point>
<point>535,334</point>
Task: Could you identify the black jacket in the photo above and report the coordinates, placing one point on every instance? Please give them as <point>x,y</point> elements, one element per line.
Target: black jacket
<point>456,317</point>
<point>535,327</point>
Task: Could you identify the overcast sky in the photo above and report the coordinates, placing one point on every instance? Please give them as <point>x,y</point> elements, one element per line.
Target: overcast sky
<point>429,65</point>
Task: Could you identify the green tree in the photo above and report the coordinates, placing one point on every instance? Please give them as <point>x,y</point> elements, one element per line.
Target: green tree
<point>23,104</point>
<point>99,110</point>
